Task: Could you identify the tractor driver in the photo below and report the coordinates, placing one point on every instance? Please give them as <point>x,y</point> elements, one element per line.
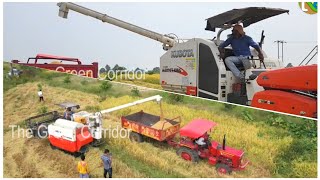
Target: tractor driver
<point>200,141</point>
<point>240,45</point>
<point>203,140</point>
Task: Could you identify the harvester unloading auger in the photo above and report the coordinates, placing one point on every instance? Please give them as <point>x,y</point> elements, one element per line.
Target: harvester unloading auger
<point>168,41</point>
<point>194,67</point>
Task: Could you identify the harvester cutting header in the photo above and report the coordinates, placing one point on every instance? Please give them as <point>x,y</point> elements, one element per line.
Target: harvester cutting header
<point>196,67</point>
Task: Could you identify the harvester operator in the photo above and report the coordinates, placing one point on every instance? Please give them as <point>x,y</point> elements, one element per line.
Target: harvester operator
<point>68,114</point>
<point>240,44</point>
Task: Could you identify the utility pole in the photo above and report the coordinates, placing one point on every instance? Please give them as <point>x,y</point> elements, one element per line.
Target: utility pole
<point>278,47</point>
<point>282,42</point>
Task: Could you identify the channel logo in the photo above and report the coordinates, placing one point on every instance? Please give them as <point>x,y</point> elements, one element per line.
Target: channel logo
<point>309,7</point>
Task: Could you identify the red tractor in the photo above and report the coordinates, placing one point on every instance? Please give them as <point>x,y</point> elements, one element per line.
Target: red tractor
<point>194,143</point>
<point>192,140</point>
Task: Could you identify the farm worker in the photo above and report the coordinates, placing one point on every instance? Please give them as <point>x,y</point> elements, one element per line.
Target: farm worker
<point>107,163</point>
<point>240,44</point>
<point>68,113</point>
<point>40,94</point>
<point>83,168</point>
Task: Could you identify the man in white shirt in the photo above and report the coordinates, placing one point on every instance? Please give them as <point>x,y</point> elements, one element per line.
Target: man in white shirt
<point>40,94</point>
<point>200,141</point>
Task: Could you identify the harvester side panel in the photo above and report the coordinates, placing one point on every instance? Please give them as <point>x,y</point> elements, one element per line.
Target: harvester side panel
<point>68,135</point>
<point>178,68</point>
<point>286,102</point>
<point>302,78</point>
<point>70,146</point>
<point>83,138</point>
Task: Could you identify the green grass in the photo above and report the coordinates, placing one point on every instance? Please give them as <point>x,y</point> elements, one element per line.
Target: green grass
<point>300,150</point>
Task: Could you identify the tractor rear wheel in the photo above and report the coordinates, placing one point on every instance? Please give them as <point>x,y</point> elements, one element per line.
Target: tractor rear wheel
<point>223,168</point>
<point>188,154</point>
<point>135,137</point>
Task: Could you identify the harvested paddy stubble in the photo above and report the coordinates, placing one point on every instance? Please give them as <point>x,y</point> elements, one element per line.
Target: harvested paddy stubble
<point>34,158</point>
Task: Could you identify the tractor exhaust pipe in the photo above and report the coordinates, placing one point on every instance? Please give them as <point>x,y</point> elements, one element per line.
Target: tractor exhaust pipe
<point>224,143</point>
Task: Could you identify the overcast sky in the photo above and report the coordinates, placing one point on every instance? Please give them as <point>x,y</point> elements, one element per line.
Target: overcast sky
<point>31,28</point>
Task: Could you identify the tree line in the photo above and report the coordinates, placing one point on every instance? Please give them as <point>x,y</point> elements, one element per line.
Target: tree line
<point>107,68</point>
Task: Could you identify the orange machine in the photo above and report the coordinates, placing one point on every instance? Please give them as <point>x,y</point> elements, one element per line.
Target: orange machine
<point>290,90</point>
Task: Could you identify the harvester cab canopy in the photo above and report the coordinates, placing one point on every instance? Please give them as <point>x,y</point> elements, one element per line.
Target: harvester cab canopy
<point>197,128</point>
<point>246,16</point>
<point>71,105</point>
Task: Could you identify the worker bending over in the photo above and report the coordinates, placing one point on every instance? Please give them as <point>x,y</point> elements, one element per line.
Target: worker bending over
<point>240,44</point>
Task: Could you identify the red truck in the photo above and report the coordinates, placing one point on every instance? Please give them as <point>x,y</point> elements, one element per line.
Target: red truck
<point>56,64</point>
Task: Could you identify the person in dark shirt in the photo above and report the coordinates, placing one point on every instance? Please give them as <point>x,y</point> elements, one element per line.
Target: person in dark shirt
<point>107,163</point>
<point>240,44</point>
<point>68,114</point>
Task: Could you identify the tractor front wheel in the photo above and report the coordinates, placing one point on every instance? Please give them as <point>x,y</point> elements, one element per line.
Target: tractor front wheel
<point>135,137</point>
<point>188,154</point>
<point>223,168</point>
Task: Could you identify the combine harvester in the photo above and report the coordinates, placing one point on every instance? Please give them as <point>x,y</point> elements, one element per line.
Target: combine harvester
<point>74,136</point>
<point>193,67</point>
<point>85,129</point>
<point>57,64</point>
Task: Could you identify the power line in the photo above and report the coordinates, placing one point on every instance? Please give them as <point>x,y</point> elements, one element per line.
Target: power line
<point>301,42</point>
